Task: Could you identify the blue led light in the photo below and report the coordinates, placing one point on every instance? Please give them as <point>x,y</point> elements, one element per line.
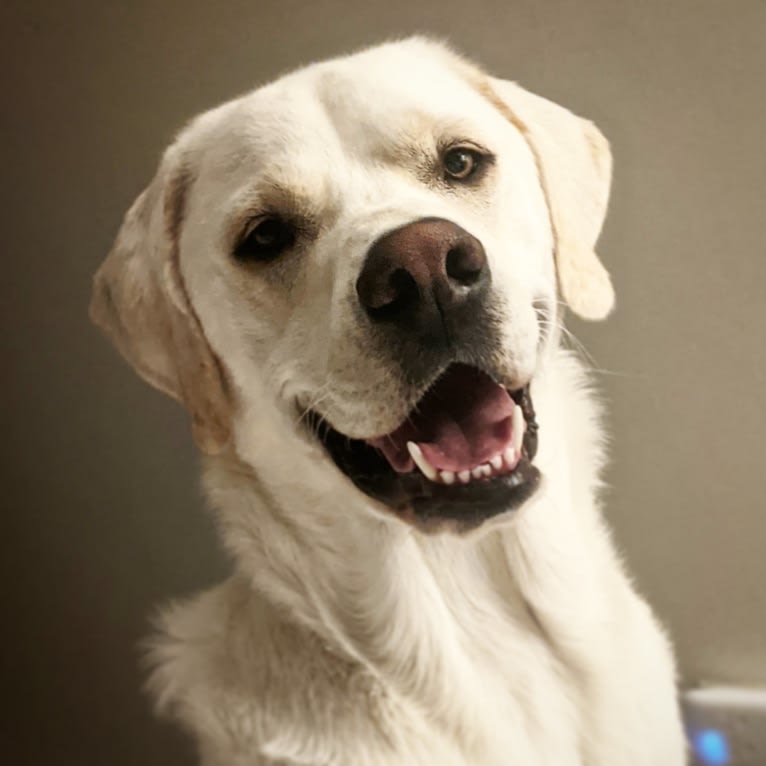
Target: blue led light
<point>711,746</point>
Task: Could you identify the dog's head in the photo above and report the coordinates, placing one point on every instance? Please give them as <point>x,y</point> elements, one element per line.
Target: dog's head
<point>375,247</point>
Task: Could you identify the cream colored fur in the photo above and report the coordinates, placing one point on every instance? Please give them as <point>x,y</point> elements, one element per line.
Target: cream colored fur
<point>346,637</point>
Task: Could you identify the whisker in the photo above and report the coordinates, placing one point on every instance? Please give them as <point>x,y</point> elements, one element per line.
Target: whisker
<point>316,399</point>
<point>574,344</point>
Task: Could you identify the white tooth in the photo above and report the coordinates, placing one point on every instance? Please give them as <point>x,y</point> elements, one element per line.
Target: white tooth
<point>510,457</point>
<point>486,469</point>
<point>497,462</point>
<point>448,477</point>
<point>464,476</point>
<point>517,428</point>
<point>420,461</point>
<point>477,472</point>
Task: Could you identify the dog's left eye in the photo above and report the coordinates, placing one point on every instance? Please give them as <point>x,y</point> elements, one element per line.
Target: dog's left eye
<point>268,239</point>
<point>462,162</point>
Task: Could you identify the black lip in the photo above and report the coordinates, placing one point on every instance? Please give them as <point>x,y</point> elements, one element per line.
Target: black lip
<point>426,504</point>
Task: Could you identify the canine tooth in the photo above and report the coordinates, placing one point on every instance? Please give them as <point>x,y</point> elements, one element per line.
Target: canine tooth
<point>420,461</point>
<point>517,428</point>
<point>464,476</point>
<point>448,477</point>
<point>497,462</point>
<point>477,472</point>
<point>510,457</point>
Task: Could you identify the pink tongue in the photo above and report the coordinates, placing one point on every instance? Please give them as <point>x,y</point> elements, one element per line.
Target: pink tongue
<point>464,420</point>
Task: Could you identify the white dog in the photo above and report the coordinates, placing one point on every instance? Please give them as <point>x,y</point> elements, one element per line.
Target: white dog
<point>353,279</point>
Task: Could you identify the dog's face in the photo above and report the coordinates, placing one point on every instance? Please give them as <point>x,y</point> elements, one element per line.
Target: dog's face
<point>370,245</point>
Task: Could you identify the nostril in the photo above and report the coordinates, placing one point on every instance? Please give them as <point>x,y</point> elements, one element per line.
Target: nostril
<point>465,264</point>
<point>390,296</point>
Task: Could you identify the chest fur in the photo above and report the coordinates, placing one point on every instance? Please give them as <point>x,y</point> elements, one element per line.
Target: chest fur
<point>253,686</point>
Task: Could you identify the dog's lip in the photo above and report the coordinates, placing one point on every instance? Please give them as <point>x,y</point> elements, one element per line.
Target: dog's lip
<point>306,412</point>
<point>363,461</point>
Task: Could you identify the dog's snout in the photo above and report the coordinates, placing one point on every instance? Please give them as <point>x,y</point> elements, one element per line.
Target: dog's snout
<point>414,275</point>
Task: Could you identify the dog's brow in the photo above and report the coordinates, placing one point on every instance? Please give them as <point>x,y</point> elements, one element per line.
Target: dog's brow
<point>418,146</point>
<point>406,150</point>
<point>274,196</point>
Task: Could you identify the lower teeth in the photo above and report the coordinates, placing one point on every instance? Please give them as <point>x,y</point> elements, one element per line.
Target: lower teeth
<point>508,459</point>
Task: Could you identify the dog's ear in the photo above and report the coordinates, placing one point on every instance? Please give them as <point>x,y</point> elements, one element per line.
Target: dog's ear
<point>575,167</point>
<point>140,302</point>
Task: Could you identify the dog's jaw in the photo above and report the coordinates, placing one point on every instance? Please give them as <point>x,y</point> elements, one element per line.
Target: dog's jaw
<point>462,456</point>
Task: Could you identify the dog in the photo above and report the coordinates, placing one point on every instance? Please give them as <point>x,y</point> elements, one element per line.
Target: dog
<point>354,279</point>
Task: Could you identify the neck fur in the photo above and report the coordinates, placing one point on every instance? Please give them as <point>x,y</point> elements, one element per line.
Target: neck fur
<point>419,612</point>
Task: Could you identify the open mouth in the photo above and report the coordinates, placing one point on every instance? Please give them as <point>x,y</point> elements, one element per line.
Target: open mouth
<point>464,454</point>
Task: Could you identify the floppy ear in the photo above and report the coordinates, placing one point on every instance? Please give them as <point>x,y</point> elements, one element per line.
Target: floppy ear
<point>575,167</point>
<point>140,302</point>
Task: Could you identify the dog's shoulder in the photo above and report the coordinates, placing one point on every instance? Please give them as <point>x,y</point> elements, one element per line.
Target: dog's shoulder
<point>229,667</point>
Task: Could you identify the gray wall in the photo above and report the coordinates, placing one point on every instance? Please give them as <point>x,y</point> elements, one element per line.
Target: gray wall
<point>102,515</point>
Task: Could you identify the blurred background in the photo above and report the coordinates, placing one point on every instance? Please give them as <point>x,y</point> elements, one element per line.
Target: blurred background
<point>103,517</point>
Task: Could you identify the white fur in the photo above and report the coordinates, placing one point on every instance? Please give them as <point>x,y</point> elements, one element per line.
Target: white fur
<point>345,636</point>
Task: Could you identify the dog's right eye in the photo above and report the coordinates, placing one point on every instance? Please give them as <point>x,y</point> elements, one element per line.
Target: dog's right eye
<point>266,240</point>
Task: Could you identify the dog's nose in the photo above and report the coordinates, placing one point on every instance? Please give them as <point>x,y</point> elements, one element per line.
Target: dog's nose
<point>415,275</point>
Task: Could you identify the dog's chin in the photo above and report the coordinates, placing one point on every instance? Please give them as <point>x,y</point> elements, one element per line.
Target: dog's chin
<point>456,461</point>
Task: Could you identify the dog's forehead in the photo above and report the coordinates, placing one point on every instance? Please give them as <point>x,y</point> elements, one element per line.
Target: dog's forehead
<point>384,92</point>
<point>359,107</point>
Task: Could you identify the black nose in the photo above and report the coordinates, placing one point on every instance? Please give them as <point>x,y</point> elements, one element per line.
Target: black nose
<point>417,276</point>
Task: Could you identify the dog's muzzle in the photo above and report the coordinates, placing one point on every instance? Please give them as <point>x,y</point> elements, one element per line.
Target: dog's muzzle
<point>465,452</point>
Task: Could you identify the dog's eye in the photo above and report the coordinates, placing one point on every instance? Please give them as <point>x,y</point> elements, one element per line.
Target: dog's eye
<point>269,238</point>
<point>461,162</point>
